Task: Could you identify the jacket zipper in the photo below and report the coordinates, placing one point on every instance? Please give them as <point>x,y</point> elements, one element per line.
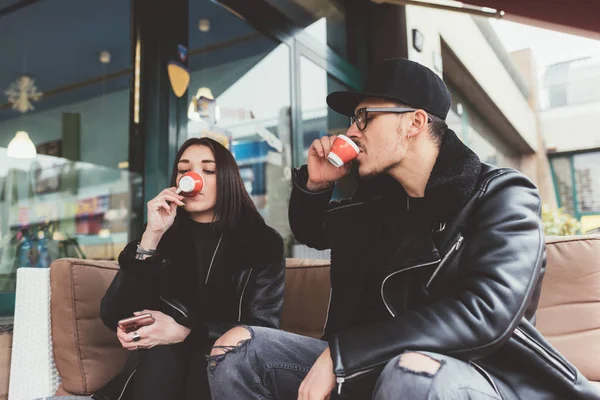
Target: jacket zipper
<point>328,307</point>
<point>538,348</point>
<point>455,247</point>
<point>213,259</point>
<point>487,377</point>
<point>174,306</point>
<point>397,272</point>
<point>242,296</point>
<point>126,384</point>
<point>341,379</point>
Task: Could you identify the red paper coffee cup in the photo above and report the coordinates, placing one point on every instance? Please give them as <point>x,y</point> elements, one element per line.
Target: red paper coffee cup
<point>342,151</point>
<point>190,184</point>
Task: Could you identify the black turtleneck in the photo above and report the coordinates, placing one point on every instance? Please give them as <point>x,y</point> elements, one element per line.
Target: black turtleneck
<point>194,244</point>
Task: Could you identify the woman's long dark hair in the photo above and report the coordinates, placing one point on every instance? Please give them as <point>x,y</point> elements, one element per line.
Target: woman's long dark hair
<point>233,201</point>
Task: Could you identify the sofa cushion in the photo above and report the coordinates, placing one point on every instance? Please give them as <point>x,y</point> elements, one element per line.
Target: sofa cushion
<point>569,309</point>
<point>87,354</point>
<point>306,298</point>
<point>5,352</point>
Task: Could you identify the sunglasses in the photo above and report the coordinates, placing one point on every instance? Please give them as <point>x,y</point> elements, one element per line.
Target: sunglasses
<point>361,116</point>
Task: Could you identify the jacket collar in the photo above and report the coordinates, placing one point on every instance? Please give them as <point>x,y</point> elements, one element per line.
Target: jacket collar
<point>451,184</point>
<point>453,178</point>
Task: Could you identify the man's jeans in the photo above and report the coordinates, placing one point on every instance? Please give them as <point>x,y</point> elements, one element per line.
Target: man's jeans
<point>272,364</point>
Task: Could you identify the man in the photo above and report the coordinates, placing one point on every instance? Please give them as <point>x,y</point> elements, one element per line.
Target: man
<point>436,267</point>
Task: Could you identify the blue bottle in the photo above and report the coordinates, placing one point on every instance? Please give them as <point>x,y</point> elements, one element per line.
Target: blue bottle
<point>24,253</point>
<point>43,254</point>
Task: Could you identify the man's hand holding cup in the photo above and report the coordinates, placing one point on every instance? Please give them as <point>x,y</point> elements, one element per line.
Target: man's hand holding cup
<point>329,160</point>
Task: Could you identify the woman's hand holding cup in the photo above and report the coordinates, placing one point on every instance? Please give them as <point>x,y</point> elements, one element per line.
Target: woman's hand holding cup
<point>161,215</point>
<point>322,172</point>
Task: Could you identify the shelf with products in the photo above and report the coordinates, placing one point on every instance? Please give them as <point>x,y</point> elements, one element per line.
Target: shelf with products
<point>102,238</point>
<point>55,189</point>
<point>69,226</point>
<point>113,208</point>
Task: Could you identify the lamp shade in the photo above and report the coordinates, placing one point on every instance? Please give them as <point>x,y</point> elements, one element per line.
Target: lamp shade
<point>203,106</point>
<point>21,146</point>
<point>205,92</point>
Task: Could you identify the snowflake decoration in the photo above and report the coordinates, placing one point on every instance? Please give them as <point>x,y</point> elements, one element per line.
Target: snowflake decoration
<point>22,92</point>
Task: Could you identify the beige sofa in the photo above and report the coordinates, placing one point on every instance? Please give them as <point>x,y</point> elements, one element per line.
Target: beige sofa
<point>5,351</point>
<point>87,354</point>
<point>569,308</point>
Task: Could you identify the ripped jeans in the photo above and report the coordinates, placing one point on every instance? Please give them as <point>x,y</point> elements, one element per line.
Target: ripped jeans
<point>269,365</point>
<point>272,364</point>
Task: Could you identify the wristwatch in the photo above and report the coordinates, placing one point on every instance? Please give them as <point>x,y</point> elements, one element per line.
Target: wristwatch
<point>141,253</point>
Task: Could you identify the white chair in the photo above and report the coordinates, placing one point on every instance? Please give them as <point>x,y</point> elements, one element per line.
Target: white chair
<point>32,370</point>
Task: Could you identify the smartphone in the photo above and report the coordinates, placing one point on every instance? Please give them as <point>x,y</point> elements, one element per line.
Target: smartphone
<point>134,323</point>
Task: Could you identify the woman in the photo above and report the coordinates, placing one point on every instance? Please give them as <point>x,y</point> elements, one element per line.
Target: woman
<point>204,264</point>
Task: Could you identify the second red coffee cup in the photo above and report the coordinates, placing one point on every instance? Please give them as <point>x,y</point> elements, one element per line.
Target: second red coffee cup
<point>343,150</point>
<point>190,184</point>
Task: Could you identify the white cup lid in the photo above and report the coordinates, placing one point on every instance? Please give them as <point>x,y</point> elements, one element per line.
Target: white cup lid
<point>187,184</point>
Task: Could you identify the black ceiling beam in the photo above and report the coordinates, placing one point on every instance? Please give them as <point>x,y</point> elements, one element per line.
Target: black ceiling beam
<point>264,17</point>
<point>16,7</point>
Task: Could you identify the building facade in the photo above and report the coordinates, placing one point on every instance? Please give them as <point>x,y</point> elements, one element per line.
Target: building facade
<point>570,97</point>
<point>494,107</point>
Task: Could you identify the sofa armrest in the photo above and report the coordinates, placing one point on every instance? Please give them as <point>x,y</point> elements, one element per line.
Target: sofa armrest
<point>32,372</point>
<point>568,313</point>
<point>90,353</point>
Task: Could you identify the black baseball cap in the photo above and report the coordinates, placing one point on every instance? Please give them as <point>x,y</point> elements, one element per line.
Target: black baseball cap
<point>398,80</point>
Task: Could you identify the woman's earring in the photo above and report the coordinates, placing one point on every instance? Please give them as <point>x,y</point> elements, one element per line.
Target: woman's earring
<point>409,138</point>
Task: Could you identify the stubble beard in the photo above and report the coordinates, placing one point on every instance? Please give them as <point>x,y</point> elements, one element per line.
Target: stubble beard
<point>374,171</point>
<point>380,166</point>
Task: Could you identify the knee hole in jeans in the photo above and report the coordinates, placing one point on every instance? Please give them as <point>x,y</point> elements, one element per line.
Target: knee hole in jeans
<point>419,364</point>
<point>224,344</point>
<point>221,348</point>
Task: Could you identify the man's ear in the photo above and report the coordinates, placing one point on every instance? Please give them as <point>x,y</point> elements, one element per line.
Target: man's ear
<point>419,123</point>
<point>420,120</point>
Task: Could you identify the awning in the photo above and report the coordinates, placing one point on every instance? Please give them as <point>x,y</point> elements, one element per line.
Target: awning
<point>577,17</point>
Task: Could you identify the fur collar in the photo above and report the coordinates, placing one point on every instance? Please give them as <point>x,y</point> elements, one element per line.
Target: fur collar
<point>453,178</point>
<point>450,185</point>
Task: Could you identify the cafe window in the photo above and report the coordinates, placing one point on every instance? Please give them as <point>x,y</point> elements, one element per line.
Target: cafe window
<point>65,190</point>
<point>239,94</point>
